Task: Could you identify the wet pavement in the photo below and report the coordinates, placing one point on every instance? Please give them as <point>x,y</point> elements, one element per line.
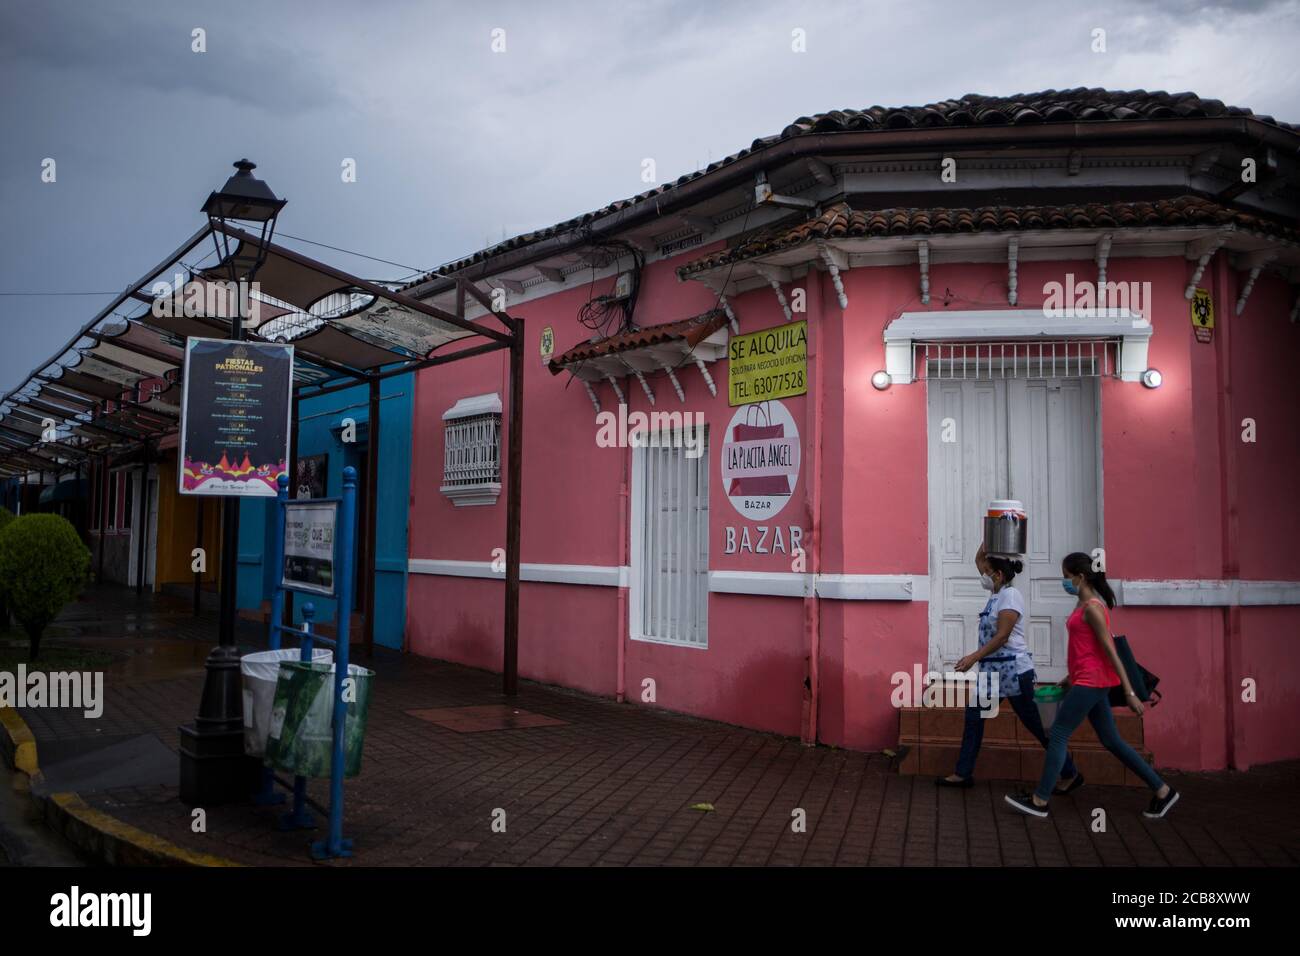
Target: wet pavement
<point>24,840</point>
<point>456,774</point>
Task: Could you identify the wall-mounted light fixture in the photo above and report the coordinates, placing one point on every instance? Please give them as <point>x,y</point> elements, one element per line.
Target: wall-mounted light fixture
<point>1152,378</point>
<point>880,381</point>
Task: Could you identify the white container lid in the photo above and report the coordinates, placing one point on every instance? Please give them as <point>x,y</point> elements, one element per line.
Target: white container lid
<point>1006,504</point>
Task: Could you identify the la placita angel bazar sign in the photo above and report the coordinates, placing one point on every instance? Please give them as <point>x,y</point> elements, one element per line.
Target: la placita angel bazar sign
<point>760,470</point>
<point>768,364</point>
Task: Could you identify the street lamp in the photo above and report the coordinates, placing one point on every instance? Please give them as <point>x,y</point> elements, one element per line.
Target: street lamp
<point>244,198</point>
<point>214,767</point>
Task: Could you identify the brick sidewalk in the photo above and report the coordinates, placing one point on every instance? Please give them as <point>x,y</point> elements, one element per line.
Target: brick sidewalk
<point>613,784</point>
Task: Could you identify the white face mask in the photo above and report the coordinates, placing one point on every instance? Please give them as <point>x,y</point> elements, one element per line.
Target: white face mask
<point>986,582</point>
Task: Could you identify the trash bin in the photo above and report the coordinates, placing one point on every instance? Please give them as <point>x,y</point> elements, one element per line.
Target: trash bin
<point>260,671</point>
<point>1048,700</point>
<point>301,734</point>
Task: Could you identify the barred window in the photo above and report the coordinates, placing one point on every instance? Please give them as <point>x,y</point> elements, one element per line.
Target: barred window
<point>473,451</point>
<point>471,468</point>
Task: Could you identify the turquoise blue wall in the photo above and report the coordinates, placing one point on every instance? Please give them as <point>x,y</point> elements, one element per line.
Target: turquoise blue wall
<point>320,432</point>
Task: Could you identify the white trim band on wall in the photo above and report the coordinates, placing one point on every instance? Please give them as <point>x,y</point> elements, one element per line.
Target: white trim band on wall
<point>589,574</point>
<point>1207,593</point>
<point>834,587</point>
<point>875,587</point>
<point>844,587</point>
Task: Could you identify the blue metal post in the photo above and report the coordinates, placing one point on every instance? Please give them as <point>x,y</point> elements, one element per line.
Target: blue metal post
<point>267,796</point>
<point>300,818</point>
<point>304,640</point>
<point>334,844</point>
<point>277,563</point>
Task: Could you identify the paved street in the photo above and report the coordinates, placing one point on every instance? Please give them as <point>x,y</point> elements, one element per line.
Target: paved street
<point>584,781</point>
<point>24,841</point>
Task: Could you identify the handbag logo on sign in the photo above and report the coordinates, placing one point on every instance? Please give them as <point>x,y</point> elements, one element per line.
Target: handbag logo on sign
<point>760,459</point>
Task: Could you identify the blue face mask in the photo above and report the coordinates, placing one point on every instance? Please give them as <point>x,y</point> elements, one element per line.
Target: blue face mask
<point>1069,586</point>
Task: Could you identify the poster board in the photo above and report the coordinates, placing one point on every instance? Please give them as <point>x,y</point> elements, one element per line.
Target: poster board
<point>234,435</point>
<point>309,558</point>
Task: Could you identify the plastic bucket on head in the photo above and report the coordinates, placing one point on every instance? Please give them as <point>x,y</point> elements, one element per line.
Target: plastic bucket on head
<point>1003,506</point>
<point>1006,528</point>
<point>260,671</point>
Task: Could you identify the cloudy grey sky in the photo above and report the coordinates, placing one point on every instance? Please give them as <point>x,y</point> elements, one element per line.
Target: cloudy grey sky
<point>457,146</point>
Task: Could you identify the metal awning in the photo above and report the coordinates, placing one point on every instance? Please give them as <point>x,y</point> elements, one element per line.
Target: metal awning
<point>114,389</point>
<point>117,382</point>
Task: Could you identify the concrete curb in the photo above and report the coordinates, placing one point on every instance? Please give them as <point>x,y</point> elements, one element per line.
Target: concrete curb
<point>96,833</point>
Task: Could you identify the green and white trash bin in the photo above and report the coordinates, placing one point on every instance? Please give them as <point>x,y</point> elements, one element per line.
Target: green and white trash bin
<point>260,672</point>
<point>1048,699</point>
<point>301,733</point>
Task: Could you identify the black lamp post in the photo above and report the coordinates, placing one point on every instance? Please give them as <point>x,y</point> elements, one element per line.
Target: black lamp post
<point>213,765</point>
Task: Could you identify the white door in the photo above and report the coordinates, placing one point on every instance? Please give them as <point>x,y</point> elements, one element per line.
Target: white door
<point>669,592</point>
<point>1034,440</point>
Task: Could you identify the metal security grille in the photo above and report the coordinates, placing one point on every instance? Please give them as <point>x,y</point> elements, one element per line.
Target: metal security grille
<point>1053,358</point>
<point>472,455</point>
<point>673,585</point>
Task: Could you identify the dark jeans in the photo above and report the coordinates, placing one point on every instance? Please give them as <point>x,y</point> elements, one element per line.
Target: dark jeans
<point>1025,708</point>
<point>1093,703</point>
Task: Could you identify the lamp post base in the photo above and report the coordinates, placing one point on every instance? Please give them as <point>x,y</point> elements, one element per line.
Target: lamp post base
<point>214,768</point>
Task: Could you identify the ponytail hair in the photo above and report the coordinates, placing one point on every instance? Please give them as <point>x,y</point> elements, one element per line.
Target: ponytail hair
<point>1080,563</point>
<point>1009,567</point>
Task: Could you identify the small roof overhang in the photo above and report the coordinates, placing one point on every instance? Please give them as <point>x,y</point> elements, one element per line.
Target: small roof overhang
<point>647,349</point>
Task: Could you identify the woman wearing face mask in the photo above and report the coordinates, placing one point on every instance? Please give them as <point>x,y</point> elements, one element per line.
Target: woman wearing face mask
<point>1094,668</point>
<point>1004,661</point>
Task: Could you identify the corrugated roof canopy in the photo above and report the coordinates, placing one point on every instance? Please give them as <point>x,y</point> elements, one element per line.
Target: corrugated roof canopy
<point>117,383</point>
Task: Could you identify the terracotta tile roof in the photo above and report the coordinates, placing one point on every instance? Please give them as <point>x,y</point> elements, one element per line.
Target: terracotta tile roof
<point>1050,106</point>
<point>1081,105</point>
<point>692,331</point>
<point>843,222</point>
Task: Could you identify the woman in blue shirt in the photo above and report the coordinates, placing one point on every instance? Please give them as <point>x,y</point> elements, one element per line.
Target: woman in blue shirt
<point>1004,657</point>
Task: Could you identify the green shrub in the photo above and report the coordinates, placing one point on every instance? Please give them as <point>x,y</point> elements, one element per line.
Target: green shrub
<point>43,566</point>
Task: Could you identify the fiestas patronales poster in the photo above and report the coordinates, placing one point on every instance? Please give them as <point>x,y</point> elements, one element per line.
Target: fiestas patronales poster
<point>235,417</point>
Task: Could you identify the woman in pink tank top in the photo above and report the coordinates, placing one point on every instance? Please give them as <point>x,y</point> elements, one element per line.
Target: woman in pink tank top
<point>1094,668</point>
<point>1088,663</point>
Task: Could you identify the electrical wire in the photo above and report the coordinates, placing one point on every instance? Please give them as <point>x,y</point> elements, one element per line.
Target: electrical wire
<point>361,255</point>
<point>608,315</point>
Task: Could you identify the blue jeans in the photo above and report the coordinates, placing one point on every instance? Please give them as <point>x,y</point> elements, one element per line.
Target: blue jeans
<point>1093,703</point>
<point>1025,708</point>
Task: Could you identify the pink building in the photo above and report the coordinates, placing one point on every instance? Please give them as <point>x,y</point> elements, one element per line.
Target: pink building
<point>931,278</point>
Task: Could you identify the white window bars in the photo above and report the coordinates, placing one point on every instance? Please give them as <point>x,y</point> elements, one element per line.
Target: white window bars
<point>1036,359</point>
<point>471,462</point>
<point>472,455</point>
